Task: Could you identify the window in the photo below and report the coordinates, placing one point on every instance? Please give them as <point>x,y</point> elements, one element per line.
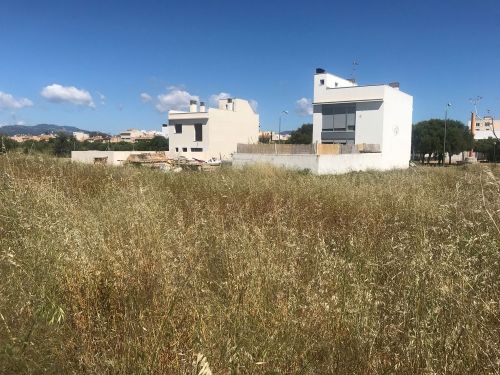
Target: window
<point>196,149</point>
<point>327,117</point>
<point>184,149</point>
<point>177,149</point>
<point>198,134</point>
<point>178,128</point>
<point>321,82</point>
<point>339,117</point>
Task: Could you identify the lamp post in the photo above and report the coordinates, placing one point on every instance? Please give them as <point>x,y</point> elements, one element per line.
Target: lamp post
<point>445,122</point>
<point>279,126</point>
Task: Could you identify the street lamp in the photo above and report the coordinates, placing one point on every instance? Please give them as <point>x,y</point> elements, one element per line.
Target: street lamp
<point>445,121</point>
<point>279,127</point>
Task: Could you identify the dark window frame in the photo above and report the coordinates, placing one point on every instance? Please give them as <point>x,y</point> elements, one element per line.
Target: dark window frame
<point>198,133</point>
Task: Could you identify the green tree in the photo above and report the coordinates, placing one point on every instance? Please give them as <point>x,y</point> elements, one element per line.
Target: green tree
<point>7,144</point>
<point>158,143</point>
<point>428,137</point>
<point>302,135</point>
<point>490,148</point>
<point>63,144</point>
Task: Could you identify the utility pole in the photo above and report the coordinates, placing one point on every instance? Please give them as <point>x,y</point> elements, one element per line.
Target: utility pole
<point>445,121</point>
<point>279,125</point>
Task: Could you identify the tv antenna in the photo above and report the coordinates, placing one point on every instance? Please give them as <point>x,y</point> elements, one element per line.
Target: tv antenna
<point>474,101</point>
<point>355,64</point>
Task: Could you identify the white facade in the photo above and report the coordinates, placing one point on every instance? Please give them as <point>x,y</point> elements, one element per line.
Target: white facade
<point>484,128</point>
<point>80,136</point>
<point>345,112</point>
<point>205,133</point>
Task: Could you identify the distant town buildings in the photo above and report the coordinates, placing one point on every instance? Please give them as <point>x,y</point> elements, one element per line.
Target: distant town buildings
<point>80,136</point>
<point>35,138</point>
<point>130,136</point>
<point>270,136</point>
<point>206,133</point>
<point>133,135</point>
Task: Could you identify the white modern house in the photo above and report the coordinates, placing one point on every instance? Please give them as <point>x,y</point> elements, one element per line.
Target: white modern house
<point>205,133</point>
<point>347,113</point>
<point>355,128</point>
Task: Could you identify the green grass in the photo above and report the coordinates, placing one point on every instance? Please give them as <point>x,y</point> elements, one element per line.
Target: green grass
<point>263,271</point>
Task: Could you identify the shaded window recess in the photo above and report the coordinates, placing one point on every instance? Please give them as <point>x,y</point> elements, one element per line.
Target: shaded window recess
<point>198,133</point>
<point>178,128</point>
<point>196,149</point>
<point>339,117</point>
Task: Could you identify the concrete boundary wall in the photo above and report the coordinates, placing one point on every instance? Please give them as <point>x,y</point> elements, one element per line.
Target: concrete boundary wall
<point>320,164</point>
<point>111,157</point>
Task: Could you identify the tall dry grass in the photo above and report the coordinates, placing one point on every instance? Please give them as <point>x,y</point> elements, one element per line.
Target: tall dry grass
<point>262,271</point>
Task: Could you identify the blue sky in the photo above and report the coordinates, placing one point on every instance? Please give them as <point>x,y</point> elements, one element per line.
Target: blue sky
<point>87,63</point>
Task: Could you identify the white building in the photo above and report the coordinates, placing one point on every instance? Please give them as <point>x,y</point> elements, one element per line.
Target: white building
<point>484,128</point>
<point>80,136</point>
<point>205,133</point>
<point>347,113</point>
<point>378,116</point>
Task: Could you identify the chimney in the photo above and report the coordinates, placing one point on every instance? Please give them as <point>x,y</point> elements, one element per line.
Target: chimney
<point>202,107</point>
<point>230,104</point>
<point>472,130</point>
<point>192,106</point>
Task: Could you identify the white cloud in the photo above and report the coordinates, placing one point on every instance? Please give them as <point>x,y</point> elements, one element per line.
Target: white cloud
<point>303,107</point>
<point>59,94</point>
<point>214,99</point>
<point>254,105</point>
<point>7,101</point>
<point>176,99</point>
<point>145,97</point>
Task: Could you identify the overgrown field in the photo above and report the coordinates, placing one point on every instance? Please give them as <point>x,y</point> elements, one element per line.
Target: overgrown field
<point>130,271</point>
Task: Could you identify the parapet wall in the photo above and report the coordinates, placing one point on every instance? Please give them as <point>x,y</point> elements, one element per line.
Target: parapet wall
<point>310,149</point>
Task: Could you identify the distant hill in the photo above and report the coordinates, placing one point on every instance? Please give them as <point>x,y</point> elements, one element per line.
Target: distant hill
<point>43,129</point>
